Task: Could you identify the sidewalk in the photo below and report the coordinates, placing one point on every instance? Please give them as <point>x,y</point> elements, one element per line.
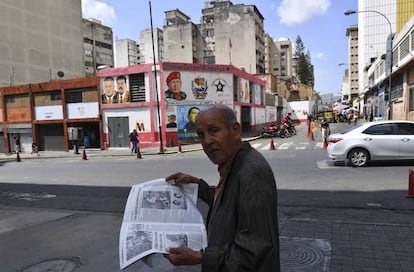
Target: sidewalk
<point>116,151</point>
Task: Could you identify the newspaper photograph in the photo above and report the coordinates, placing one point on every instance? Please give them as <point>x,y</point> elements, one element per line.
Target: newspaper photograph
<point>158,216</point>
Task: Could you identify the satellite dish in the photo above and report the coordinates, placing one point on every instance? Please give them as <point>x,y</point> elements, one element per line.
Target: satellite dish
<point>60,74</point>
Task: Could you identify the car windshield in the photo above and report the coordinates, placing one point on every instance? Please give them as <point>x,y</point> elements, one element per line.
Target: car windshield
<point>350,129</point>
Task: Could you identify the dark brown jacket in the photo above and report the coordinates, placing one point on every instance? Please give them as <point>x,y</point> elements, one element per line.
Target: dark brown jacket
<point>242,226</point>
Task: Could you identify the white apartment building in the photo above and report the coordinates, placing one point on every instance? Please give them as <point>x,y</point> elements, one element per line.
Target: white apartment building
<point>350,85</point>
<point>126,53</point>
<point>379,24</point>
<point>145,46</point>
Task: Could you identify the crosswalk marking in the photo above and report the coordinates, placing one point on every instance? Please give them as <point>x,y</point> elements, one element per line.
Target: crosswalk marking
<point>256,145</point>
<point>285,145</point>
<point>288,145</point>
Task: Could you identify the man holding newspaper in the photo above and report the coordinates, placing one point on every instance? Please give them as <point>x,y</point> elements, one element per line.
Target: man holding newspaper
<point>242,222</point>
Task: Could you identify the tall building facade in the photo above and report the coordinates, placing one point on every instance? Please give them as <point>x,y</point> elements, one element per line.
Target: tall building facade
<point>224,43</point>
<point>40,41</point>
<point>126,53</point>
<point>145,46</point>
<point>351,94</point>
<point>379,25</point>
<point>98,46</point>
<point>278,57</point>
<point>182,38</point>
<point>374,30</point>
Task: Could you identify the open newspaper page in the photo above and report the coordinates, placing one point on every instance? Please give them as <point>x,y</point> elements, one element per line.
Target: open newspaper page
<point>158,216</point>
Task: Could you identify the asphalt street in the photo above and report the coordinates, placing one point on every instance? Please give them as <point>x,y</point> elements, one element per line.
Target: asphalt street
<point>61,213</point>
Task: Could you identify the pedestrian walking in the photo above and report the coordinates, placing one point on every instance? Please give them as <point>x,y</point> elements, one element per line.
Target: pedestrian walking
<point>133,138</point>
<point>35,149</point>
<point>325,131</point>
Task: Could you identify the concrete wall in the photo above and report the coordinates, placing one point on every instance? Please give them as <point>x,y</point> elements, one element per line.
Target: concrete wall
<point>38,39</point>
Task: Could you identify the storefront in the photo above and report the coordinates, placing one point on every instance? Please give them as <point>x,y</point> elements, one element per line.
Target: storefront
<point>167,108</point>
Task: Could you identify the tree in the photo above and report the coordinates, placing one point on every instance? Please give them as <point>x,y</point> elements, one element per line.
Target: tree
<point>302,64</point>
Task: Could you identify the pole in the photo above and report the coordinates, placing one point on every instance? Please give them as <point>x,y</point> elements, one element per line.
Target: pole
<point>389,81</point>
<point>156,81</point>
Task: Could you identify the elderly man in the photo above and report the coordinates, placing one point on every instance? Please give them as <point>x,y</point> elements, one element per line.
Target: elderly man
<point>242,222</point>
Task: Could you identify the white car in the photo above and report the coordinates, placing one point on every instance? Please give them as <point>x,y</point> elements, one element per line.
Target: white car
<point>380,140</point>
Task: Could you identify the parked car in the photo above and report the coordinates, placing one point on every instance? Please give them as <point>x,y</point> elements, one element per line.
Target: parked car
<point>373,141</point>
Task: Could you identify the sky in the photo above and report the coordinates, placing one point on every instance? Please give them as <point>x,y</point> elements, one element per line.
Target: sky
<point>321,24</point>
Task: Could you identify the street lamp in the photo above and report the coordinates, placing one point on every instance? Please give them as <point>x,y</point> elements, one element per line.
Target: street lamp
<point>349,12</point>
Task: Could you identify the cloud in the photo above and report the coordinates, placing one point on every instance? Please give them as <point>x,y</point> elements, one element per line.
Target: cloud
<point>98,10</point>
<point>320,55</point>
<point>295,12</point>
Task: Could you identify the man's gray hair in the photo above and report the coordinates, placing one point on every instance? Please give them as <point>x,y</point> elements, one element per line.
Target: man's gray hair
<point>228,114</point>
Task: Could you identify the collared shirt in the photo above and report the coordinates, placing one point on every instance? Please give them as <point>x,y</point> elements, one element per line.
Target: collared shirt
<point>223,171</point>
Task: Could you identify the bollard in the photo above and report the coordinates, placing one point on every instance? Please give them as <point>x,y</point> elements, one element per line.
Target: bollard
<point>410,184</point>
<point>84,155</point>
<point>139,156</point>
<point>272,144</point>
<point>180,150</point>
<point>18,157</point>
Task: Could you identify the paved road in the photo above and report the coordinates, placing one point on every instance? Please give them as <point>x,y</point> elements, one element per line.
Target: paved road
<point>73,219</point>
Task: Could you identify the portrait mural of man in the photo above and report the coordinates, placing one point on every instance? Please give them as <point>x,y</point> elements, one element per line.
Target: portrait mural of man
<point>191,116</point>
<point>174,84</point>
<point>109,94</point>
<point>122,88</point>
<point>172,120</point>
<point>187,115</point>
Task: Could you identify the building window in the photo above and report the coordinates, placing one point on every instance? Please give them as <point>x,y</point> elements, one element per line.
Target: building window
<point>411,98</point>
<point>137,87</point>
<point>87,40</point>
<point>73,96</point>
<point>210,60</point>
<point>56,96</point>
<point>104,45</point>
<point>10,99</point>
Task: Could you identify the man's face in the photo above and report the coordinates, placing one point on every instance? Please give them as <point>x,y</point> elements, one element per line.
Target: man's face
<point>109,87</point>
<point>219,141</point>
<point>121,84</point>
<point>192,115</point>
<point>174,85</point>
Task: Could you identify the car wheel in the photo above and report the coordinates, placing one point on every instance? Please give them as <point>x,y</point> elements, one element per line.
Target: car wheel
<point>358,157</point>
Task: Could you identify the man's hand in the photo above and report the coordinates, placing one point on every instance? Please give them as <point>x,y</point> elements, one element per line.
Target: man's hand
<point>184,256</point>
<point>180,178</point>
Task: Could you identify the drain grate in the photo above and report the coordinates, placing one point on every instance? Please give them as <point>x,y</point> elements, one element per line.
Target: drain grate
<point>64,264</point>
<point>304,254</point>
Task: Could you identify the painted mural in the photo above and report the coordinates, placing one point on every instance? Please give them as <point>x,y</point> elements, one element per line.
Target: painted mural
<point>191,87</point>
<point>186,93</point>
<point>186,115</point>
<point>244,89</point>
<point>115,89</point>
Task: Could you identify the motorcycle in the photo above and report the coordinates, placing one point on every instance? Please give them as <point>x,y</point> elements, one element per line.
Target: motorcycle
<point>274,131</point>
<point>290,128</point>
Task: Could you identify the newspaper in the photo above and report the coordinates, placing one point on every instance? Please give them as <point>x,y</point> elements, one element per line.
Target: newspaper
<point>158,216</point>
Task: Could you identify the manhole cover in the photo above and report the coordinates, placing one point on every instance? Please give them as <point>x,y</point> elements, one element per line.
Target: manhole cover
<point>303,254</point>
<point>54,265</point>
